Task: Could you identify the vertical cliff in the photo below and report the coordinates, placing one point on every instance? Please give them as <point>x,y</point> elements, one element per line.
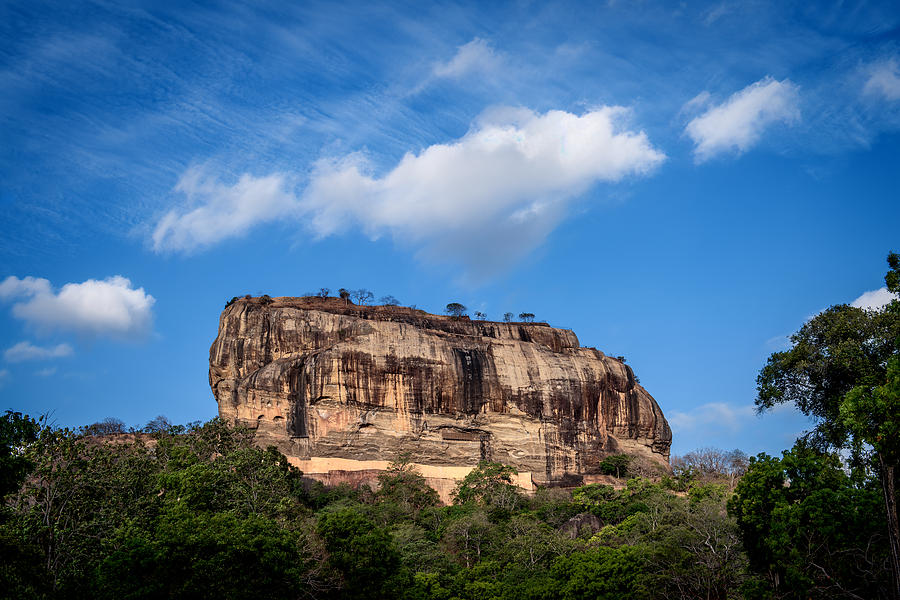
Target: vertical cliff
<point>326,380</point>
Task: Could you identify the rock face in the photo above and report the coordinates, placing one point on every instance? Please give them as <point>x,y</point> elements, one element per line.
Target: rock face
<point>333,384</point>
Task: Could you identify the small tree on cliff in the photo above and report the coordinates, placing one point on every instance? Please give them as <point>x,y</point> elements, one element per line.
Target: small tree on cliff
<point>508,317</point>
<point>344,293</point>
<point>455,310</point>
<point>616,464</point>
<point>526,317</point>
<point>362,296</point>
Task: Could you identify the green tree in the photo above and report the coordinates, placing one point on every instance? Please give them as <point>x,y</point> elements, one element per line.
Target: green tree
<point>364,554</point>
<point>838,370</point>
<point>490,484</point>
<point>615,464</point>
<point>469,536</point>
<point>404,490</point>
<point>17,432</point>
<point>602,574</point>
<point>192,554</point>
<point>455,310</point>
<point>809,529</point>
<point>527,317</point>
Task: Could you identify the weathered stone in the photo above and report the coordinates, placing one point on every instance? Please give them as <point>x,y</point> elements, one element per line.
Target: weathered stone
<point>324,379</point>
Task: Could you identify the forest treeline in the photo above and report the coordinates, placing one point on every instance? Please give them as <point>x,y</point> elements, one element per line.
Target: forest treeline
<point>200,511</point>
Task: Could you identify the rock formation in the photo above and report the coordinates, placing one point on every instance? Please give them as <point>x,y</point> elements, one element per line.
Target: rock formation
<point>342,388</point>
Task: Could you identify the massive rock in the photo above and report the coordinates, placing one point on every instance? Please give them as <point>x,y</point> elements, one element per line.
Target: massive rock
<point>341,388</point>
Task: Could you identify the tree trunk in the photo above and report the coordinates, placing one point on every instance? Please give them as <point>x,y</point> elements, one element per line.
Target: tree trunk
<point>890,503</point>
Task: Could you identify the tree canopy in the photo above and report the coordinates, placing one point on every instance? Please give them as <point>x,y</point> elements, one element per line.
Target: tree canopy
<point>842,369</point>
<point>455,309</point>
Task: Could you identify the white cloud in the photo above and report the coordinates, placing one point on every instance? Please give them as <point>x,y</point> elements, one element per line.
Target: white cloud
<point>738,123</point>
<point>484,199</point>
<point>95,307</point>
<point>13,287</point>
<point>697,103</point>
<point>884,80</point>
<point>46,372</point>
<point>489,196</point>
<point>714,414</point>
<point>874,299</point>
<point>28,351</point>
<point>476,56</point>
<point>221,211</point>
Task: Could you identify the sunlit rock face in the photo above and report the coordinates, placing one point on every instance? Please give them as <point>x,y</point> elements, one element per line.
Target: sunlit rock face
<point>340,387</point>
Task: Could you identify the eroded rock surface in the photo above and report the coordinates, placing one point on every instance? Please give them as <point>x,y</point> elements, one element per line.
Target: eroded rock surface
<point>323,379</point>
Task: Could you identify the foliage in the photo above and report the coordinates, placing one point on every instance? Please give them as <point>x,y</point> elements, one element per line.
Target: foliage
<point>480,316</point>
<point>526,317</point>
<point>507,317</point>
<point>344,293</point>
<point>602,573</point>
<point>364,554</point>
<point>17,433</point>
<point>455,310</point>
<point>389,301</point>
<point>323,292</point>
<point>200,511</point>
<point>489,484</point>
<point>809,529</point>
<point>841,370</point>
<point>401,487</point>
<point>615,464</point>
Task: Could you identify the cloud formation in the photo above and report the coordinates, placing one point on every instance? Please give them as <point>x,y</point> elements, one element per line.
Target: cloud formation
<point>874,299</point>
<point>884,81</point>
<point>108,307</point>
<point>27,351</point>
<point>737,124</point>
<point>217,211</point>
<point>504,183</point>
<point>485,199</point>
<point>476,56</point>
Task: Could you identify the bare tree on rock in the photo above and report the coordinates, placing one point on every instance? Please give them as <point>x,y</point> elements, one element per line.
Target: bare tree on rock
<point>362,296</point>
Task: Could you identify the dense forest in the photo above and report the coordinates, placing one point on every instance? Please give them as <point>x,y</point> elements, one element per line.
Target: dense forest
<point>202,512</point>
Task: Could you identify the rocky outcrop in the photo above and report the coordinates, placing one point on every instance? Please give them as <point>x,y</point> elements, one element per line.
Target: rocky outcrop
<point>326,380</point>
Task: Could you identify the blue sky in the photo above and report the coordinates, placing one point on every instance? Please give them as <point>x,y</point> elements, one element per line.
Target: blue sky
<point>680,183</point>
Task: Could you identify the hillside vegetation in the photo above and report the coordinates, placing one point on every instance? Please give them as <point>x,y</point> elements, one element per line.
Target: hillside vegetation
<point>202,512</point>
